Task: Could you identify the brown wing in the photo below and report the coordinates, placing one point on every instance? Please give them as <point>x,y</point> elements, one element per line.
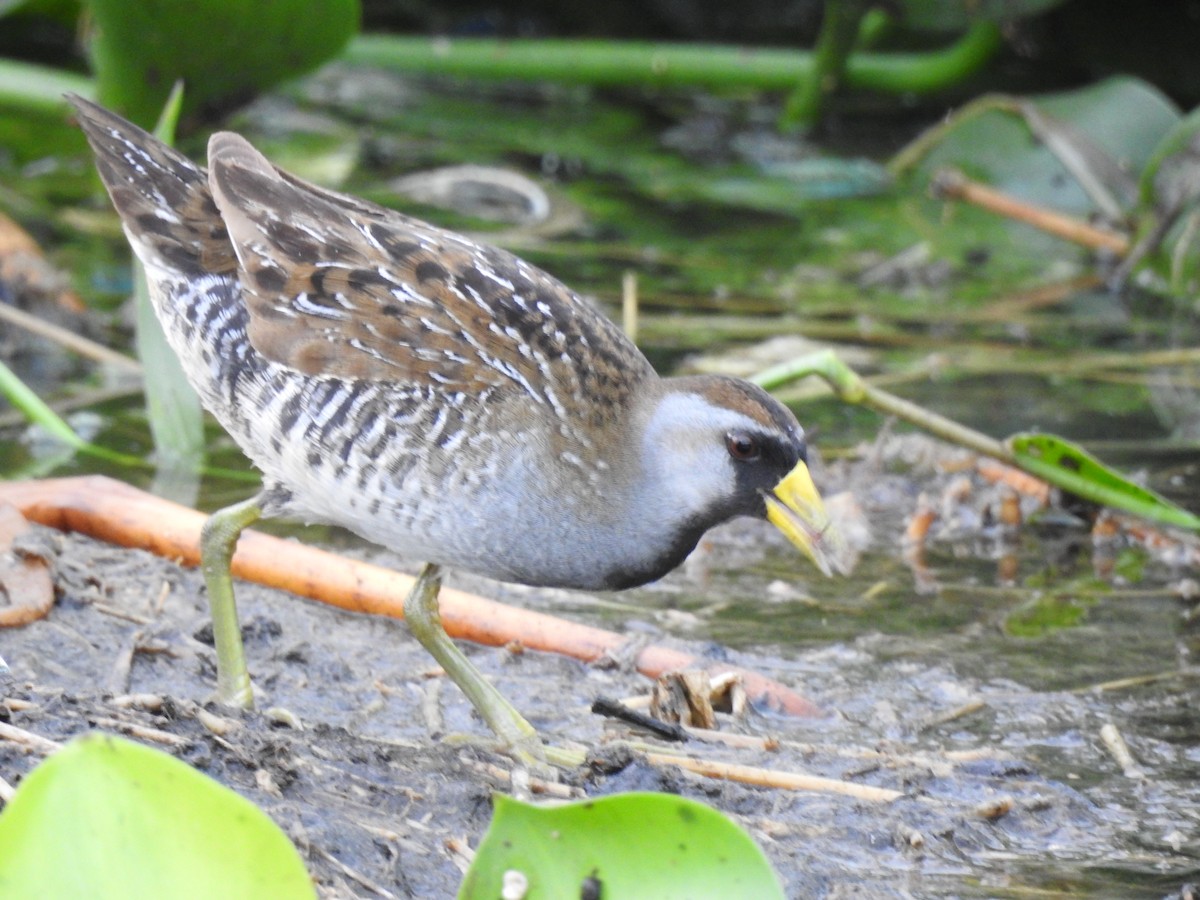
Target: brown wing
<point>162,196</point>
<point>339,286</point>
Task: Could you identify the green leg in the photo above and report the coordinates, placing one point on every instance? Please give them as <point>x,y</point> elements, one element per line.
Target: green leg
<point>425,622</point>
<point>217,542</point>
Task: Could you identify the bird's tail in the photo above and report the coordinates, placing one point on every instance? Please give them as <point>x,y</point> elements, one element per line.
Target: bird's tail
<point>162,197</point>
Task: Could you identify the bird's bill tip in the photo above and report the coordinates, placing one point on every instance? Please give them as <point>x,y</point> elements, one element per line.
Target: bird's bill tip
<point>795,508</point>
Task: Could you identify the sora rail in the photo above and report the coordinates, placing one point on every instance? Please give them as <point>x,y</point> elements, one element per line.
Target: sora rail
<point>437,396</point>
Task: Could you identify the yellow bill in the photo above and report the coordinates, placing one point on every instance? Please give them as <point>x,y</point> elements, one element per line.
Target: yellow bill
<point>796,509</point>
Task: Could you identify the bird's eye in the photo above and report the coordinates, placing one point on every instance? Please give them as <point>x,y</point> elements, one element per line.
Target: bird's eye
<point>742,446</point>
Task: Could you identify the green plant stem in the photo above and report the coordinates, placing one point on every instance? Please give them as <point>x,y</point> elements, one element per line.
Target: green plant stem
<point>1050,458</point>
<point>37,412</point>
<point>840,31</point>
<point>850,387</point>
<point>683,65</point>
<point>35,409</point>
<point>911,155</point>
<point>925,73</point>
<point>875,26</point>
<point>40,88</point>
<point>593,62</point>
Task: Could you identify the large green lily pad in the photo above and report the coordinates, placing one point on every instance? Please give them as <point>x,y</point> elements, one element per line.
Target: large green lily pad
<point>633,845</point>
<point>108,818</point>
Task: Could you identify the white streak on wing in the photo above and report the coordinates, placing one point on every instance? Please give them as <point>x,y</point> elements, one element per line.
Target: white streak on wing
<point>476,298</point>
<point>490,273</point>
<point>365,231</point>
<point>313,231</point>
<point>502,367</point>
<point>371,351</point>
<point>435,327</point>
<point>304,304</point>
<point>405,293</point>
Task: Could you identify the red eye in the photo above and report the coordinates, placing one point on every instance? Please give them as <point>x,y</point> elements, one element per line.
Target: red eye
<point>742,446</point>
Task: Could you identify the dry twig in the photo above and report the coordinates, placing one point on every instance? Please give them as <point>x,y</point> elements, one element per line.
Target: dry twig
<point>955,185</point>
<point>28,739</point>
<point>774,778</point>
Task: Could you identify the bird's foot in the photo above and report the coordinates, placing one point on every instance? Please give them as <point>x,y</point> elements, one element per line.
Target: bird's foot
<point>530,754</point>
<point>518,739</point>
<point>538,760</point>
<point>236,692</point>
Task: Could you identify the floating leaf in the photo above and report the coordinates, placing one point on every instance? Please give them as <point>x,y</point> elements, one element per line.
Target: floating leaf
<point>628,845</point>
<point>1074,469</point>
<point>1171,179</point>
<point>1110,128</point>
<point>108,818</point>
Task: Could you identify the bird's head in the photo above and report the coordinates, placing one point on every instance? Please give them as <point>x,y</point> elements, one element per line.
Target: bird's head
<point>715,448</point>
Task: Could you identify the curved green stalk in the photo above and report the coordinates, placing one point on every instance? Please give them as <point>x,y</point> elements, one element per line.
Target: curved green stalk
<point>682,65</point>
<point>841,30</point>
<point>911,155</point>
<point>875,26</point>
<point>851,387</point>
<point>1054,460</point>
<point>594,62</point>
<point>584,61</point>
<point>34,409</point>
<point>924,73</point>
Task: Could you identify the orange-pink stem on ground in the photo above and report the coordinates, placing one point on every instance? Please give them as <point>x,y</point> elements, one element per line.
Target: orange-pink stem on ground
<point>115,512</point>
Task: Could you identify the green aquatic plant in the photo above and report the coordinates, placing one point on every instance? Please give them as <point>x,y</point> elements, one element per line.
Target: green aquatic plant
<point>109,818</point>
<point>106,817</point>
<point>1051,458</point>
<point>626,845</point>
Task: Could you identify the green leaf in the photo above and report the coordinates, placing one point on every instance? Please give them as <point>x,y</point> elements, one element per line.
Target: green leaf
<point>1109,128</point>
<point>1073,469</point>
<point>1169,179</point>
<point>633,845</point>
<point>36,88</point>
<point>225,51</point>
<point>108,818</point>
